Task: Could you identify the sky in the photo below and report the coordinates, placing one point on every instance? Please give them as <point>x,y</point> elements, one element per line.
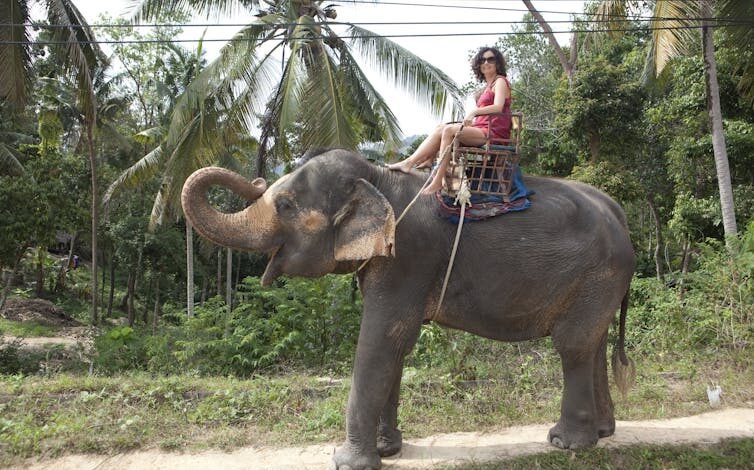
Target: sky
<point>448,53</point>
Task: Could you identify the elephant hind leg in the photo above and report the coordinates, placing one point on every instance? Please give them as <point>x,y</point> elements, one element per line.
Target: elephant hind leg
<point>578,426</point>
<point>605,408</point>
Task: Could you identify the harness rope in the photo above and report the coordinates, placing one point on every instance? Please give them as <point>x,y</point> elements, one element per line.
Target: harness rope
<point>463,196</point>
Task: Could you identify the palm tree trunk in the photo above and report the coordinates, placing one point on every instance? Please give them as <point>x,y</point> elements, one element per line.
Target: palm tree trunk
<point>95,216</point>
<point>189,270</point>
<point>718,133</point>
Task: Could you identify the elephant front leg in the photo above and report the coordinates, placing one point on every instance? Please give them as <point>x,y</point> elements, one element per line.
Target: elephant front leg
<point>389,437</point>
<point>374,391</point>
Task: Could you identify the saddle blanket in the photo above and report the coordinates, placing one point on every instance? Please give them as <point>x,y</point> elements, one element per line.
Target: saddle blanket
<point>484,206</point>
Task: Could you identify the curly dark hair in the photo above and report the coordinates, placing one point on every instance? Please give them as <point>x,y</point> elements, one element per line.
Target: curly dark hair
<point>476,62</point>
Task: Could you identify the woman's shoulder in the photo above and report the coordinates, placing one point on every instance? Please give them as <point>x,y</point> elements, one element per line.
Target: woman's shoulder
<point>501,79</point>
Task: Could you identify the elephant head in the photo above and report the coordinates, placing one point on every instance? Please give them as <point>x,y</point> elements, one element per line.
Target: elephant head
<point>304,228</point>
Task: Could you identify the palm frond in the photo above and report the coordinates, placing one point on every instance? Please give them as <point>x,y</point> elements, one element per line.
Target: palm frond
<point>146,168</point>
<point>80,48</point>
<point>9,161</point>
<point>369,106</point>
<point>427,83</point>
<point>326,120</point>
<point>611,15</point>
<point>150,9</point>
<point>15,62</point>
<point>291,86</point>
<point>149,136</point>
<point>672,31</point>
<point>740,36</point>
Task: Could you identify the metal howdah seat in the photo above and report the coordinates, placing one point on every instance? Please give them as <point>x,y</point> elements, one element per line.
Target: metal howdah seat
<point>488,169</point>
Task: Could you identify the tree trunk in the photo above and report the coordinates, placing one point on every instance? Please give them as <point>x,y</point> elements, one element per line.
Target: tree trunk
<point>112,285</point>
<point>63,271</point>
<point>102,289</point>
<point>9,281</point>
<point>189,270</point>
<point>130,296</point>
<point>147,296</point>
<point>40,284</point>
<point>205,287</point>
<point>228,289</point>
<point>95,216</point>
<point>237,276</point>
<point>569,67</point>
<point>219,276</point>
<point>718,133</point>
<point>156,311</point>
<point>658,235</point>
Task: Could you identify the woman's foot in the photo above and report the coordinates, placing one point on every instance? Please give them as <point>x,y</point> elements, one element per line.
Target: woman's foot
<point>403,166</point>
<point>433,187</point>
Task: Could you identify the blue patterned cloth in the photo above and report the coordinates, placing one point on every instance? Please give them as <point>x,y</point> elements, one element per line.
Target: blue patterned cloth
<point>484,206</point>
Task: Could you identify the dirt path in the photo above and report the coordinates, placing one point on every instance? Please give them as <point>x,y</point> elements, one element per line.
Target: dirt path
<point>40,341</point>
<point>424,453</point>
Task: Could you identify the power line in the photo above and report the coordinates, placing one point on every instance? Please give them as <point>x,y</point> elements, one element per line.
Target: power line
<point>362,36</point>
<point>617,19</point>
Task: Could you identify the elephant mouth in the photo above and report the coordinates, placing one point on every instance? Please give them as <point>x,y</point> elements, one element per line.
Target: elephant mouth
<point>273,270</point>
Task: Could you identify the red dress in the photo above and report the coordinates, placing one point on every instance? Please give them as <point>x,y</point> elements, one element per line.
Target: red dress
<point>501,125</point>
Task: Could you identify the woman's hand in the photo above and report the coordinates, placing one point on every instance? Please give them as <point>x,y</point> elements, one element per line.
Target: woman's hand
<point>469,118</point>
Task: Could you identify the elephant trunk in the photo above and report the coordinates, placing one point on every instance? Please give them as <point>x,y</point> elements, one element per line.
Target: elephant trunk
<point>229,230</point>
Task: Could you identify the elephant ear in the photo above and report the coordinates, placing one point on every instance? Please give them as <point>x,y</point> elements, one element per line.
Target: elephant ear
<point>365,226</point>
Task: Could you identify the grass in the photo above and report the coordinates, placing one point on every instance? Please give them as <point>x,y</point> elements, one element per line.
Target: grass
<point>67,413</point>
<point>26,329</point>
<point>729,454</point>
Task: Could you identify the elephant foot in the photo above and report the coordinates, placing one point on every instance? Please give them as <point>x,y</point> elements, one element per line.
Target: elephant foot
<point>606,427</point>
<point>389,442</point>
<point>562,437</point>
<point>347,458</point>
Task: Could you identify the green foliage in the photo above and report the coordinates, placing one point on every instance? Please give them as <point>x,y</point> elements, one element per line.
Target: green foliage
<point>712,308</point>
<point>306,323</point>
<point>121,348</point>
<point>25,329</point>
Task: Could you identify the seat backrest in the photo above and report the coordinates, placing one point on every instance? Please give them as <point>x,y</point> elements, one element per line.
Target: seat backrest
<point>517,127</point>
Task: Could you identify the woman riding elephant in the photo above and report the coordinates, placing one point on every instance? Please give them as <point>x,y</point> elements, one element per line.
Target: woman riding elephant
<point>488,66</point>
<point>561,268</point>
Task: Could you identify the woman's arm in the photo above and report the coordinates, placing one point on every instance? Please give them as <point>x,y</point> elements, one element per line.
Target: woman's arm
<point>502,92</point>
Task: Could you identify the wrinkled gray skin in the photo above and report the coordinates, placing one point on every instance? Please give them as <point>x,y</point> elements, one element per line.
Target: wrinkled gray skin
<point>560,268</point>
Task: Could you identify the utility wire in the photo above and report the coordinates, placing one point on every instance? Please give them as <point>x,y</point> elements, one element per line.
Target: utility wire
<point>360,36</point>
<point>618,19</point>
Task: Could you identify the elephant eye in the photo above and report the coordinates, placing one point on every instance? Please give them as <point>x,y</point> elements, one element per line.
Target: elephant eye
<point>284,205</point>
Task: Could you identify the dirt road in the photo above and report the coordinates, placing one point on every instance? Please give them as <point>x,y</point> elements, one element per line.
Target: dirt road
<point>423,453</point>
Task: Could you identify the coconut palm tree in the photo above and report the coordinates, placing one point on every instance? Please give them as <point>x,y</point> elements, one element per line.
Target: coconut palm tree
<point>73,41</point>
<point>673,26</point>
<point>291,66</point>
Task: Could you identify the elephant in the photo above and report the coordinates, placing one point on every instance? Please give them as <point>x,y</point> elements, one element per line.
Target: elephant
<point>561,268</point>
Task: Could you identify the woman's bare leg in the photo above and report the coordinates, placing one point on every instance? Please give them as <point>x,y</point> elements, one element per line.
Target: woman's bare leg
<point>423,154</point>
<point>468,136</point>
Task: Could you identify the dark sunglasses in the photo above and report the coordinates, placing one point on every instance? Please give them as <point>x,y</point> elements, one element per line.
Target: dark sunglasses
<point>489,60</point>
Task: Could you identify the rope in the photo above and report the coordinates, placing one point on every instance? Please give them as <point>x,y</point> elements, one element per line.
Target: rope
<point>463,196</point>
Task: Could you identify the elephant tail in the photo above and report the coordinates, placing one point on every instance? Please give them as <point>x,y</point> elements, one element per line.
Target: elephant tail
<point>624,370</point>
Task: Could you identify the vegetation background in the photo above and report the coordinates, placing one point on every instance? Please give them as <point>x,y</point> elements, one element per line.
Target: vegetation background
<point>178,344</point>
